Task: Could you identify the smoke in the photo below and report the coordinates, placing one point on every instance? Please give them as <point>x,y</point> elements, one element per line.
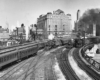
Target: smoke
<point>12,27</point>
<point>18,24</point>
<point>51,37</point>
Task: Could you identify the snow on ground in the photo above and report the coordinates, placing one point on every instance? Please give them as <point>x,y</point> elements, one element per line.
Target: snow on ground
<point>79,72</point>
<point>58,72</point>
<point>1,74</point>
<point>92,52</point>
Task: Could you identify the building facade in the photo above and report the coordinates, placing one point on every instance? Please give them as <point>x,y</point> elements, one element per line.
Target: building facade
<point>19,33</point>
<point>57,23</point>
<point>76,28</point>
<point>4,34</point>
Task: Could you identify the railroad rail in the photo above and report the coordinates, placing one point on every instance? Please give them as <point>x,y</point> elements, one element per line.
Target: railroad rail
<point>85,67</point>
<point>10,55</point>
<point>65,66</point>
<point>89,60</point>
<point>27,64</point>
<point>29,67</point>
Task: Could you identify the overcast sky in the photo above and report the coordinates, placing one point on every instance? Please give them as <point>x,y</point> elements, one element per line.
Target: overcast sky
<point>15,12</point>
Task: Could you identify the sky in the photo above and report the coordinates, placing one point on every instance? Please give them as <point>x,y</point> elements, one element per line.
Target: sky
<point>15,12</point>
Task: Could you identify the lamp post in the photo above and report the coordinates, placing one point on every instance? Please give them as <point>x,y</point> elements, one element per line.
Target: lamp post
<point>84,36</point>
<point>63,29</point>
<point>85,30</point>
<point>49,29</point>
<point>36,29</point>
<point>56,30</point>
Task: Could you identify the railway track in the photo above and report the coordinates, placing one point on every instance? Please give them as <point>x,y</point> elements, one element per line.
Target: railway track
<point>49,73</point>
<point>65,66</point>
<point>24,70</point>
<point>27,65</point>
<point>85,67</point>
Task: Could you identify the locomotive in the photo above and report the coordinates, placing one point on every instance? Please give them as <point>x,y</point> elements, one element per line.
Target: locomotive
<point>77,43</point>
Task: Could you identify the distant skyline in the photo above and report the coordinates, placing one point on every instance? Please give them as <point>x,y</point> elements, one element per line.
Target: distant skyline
<point>15,12</point>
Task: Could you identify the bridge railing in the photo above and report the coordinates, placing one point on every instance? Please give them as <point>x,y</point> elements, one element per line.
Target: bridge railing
<point>93,63</point>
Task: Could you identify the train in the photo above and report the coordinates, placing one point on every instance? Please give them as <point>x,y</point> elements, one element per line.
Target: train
<point>16,53</point>
<point>78,42</point>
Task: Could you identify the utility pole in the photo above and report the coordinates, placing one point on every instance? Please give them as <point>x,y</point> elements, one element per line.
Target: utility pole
<point>63,29</point>
<point>36,30</point>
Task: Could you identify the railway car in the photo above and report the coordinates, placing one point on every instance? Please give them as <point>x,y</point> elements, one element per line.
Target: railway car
<point>41,44</point>
<point>64,41</point>
<point>8,58</point>
<point>78,43</point>
<point>18,54</point>
<point>58,42</point>
<point>25,50</point>
<point>69,44</point>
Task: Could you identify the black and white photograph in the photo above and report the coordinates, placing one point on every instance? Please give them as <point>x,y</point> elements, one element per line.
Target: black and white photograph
<point>49,40</point>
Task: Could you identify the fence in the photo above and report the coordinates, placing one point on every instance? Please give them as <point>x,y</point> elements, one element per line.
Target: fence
<point>91,61</point>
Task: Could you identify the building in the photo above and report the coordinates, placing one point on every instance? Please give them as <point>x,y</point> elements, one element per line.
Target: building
<point>57,23</point>
<point>76,28</point>
<point>19,33</point>
<point>4,34</point>
<point>78,14</point>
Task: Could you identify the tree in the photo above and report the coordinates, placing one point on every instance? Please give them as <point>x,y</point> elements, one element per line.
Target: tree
<point>36,28</point>
<point>22,25</point>
<point>21,38</point>
<point>32,34</point>
<point>90,17</point>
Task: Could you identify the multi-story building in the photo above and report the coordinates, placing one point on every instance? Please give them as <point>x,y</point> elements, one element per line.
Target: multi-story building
<point>4,34</point>
<point>19,33</point>
<point>76,22</point>
<point>57,23</point>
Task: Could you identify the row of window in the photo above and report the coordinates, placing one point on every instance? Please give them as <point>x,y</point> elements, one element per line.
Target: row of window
<point>26,52</point>
<point>11,56</point>
<point>8,57</point>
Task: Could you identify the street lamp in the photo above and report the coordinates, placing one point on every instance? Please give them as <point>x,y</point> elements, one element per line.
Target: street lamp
<point>84,35</point>
<point>84,31</point>
<point>55,30</point>
<point>63,29</point>
<point>36,29</point>
<point>49,29</point>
